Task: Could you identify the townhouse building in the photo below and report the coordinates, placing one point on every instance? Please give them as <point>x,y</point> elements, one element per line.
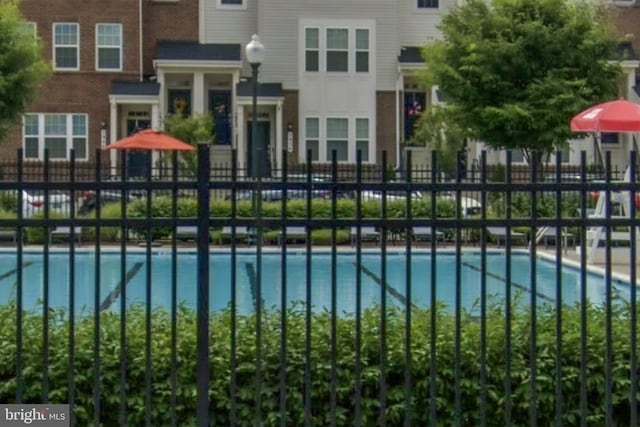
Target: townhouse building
<point>337,75</point>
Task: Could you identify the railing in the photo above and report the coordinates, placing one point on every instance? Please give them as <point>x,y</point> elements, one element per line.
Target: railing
<point>373,302</point>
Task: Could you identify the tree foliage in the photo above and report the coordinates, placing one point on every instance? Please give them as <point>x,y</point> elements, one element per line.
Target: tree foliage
<point>514,72</point>
<point>22,67</point>
<point>192,130</point>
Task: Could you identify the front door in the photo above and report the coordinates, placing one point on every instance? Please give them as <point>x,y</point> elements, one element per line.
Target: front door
<point>220,107</point>
<point>138,161</point>
<point>262,150</point>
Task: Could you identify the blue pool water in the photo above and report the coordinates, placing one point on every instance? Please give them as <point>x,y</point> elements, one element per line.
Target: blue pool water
<point>370,268</point>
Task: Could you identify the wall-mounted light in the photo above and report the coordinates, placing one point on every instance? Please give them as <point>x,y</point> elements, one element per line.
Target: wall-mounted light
<point>103,134</point>
<point>290,137</point>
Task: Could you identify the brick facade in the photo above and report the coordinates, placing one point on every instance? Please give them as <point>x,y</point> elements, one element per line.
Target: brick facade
<point>627,21</point>
<point>386,126</point>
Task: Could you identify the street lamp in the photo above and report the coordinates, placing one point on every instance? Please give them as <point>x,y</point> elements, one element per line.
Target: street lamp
<point>255,55</point>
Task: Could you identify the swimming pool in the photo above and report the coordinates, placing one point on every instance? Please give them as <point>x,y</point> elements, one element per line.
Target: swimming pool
<point>297,266</point>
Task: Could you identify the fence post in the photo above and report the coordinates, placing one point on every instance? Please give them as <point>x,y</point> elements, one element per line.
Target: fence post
<point>202,366</point>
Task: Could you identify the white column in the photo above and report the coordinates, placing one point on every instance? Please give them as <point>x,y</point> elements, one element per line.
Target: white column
<point>241,138</point>
<point>279,135</point>
<point>198,92</point>
<point>399,85</point>
<point>155,124</point>
<point>113,136</point>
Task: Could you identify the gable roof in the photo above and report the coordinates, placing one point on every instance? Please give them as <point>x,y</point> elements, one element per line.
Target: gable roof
<point>194,51</point>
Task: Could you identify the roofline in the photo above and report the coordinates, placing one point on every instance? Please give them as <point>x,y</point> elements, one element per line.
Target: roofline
<point>193,63</point>
<point>262,100</point>
<point>134,99</point>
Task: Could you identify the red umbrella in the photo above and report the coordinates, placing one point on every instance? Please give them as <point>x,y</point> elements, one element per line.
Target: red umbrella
<point>613,116</point>
<point>149,139</point>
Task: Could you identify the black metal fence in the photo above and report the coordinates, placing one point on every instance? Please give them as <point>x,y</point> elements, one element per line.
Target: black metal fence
<point>476,301</point>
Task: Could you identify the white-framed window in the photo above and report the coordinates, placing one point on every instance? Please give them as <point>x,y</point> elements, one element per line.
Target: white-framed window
<point>232,4</point>
<point>362,50</point>
<point>109,47</point>
<point>31,28</point>
<point>337,49</point>
<point>312,49</point>
<point>337,139</point>
<point>312,138</point>
<point>345,135</point>
<point>362,139</point>
<point>517,156</point>
<point>427,4</point>
<point>57,132</point>
<point>66,46</point>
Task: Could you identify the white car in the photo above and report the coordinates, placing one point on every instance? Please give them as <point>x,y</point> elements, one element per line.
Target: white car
<point>34,201</point>
<point>469,205</point>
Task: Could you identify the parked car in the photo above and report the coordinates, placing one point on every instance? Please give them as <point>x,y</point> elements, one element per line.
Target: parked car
<point>34,201</point>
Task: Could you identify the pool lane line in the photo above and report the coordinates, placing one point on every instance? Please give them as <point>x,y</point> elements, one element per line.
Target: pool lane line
<point>115,293</point>
<point>517,285</point>
<point>15,270</point>
<point>251,274</point>
<point>390,289</point>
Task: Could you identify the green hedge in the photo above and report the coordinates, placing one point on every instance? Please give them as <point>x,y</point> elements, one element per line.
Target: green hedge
<point>320,362</point>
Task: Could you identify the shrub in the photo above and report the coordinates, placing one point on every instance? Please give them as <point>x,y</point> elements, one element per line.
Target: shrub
<point>247,369</point>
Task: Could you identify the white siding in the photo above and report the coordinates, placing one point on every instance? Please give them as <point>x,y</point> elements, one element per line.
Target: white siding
<point>278,26</point>
<point>228,25</point>
<point>419,25</point>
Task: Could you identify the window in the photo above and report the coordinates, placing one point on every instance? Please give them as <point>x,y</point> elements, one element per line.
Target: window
<point>414,103</point>
<point>362,139</point>
<point>31,28</point>
<point>362,50</point>
<point>312,138</point>
<point>337,49</point>
<point>231,4</point>
<point>109,47</point>
<point>311,49</point>
<point>58,133</point>
<point>65,46</point>
<point>609,138</point>
<point>427,4</point>
<point>338,139</point>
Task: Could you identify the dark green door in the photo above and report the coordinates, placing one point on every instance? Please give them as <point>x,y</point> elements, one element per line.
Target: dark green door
<point>261,150</point>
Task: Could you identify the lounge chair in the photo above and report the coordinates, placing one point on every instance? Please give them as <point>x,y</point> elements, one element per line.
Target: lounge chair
<point>64,232</point>
<point>186,232</point>
<point>293,233</point>
<point>367,233</point>
<point>227,233</point>
<point>499,234</point>
<point>426,233</point>
<point>9,235</point>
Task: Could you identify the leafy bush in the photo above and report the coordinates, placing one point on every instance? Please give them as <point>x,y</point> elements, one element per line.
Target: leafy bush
<point>9,201</point>
<point>247,369</point>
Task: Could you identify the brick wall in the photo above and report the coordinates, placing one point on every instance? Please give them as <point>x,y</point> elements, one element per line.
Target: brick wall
<point>290,115</point>
<point>386,126</point>
<point>628,24</point>
<point>167,21</point>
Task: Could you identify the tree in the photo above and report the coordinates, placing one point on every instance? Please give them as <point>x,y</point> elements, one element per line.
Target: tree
<point>514,72</point>
<point>22,68</point>
<point>192,130</point>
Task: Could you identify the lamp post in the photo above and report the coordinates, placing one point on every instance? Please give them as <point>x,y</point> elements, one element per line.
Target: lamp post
<point>255,55</point>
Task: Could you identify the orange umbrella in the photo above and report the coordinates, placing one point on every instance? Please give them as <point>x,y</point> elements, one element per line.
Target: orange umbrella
<point>149,139</point>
